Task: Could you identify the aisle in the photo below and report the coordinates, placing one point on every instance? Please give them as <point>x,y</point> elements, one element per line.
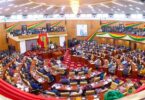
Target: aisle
<point>69,62</point>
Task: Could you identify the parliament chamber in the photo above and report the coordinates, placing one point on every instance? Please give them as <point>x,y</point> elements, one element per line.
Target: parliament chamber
<point>72,49</point>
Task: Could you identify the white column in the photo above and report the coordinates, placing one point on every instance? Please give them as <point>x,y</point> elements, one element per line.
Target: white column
<point>61,40</point>
<point>22,46</point>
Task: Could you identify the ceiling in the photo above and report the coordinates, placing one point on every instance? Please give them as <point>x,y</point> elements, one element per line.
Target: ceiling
<point>12,7</point>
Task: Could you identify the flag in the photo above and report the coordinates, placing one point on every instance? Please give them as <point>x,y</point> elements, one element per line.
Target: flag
<point>42,40</point>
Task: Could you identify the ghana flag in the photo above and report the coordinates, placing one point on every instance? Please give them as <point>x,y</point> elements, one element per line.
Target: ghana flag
<point>42,40</point>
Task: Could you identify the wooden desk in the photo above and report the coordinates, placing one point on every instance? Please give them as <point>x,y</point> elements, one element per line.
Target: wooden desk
<point>68,88</point>
<point>44,80</point>
<point>75,58</point>
<point>84,77</point>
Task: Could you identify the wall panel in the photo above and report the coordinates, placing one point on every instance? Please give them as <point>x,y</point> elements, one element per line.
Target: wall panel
<point>3,41</point>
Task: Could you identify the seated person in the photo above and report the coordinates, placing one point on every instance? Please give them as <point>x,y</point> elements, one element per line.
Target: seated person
<point>85,69</point>
<point>51,77</point>
<point>112,68</point>
<point>21,86</point>
<point>80,91</point>
<point>106,63</point>
<point>35,85</point>
<point>99,90</point>
<point>97,63</point>
<point>55,91</point>
<point>102,75</point>
<point>64,80</point>
<point>115,79</point>
<point>139,66</point>
<point>142,71</point>
<point>87,87</point>
<point>41,70</point>
<point>126,70</point>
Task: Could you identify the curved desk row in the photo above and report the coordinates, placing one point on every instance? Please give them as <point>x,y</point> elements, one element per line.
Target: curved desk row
<point>119,71</point>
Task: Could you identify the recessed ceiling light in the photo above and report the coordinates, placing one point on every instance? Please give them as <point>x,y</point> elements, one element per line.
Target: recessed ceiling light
<point>62,8</point>
<point>92,8</point>
<point>10,0</point>
<point>137,11</point>
<point>137,8</point>
<point>119,4</point>
<point>130,5</point>
<point>13,12</point>
<point>138,2</point>
<point>16,6</point>
<point>118,9</point>
<point>99,9</point>
<point>123,11</point>
<point>131,8</point>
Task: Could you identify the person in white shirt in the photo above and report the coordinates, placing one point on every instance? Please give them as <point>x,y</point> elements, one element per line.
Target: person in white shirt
<point>97,63</point>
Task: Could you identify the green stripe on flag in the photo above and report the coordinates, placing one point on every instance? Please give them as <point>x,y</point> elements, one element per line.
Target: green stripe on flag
<point>134,25</point>
<point>56,24</point>
<point>36,25</point>
<point>109,24</point>
<point>12,27</point>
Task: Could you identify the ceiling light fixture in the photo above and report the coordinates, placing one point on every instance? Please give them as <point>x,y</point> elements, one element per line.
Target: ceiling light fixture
<point>36,7</point>
<point>74,4</point>
<point>25,4</point>
<point>92,8</point>
<point>104,5</point>
<point>50,7</point>
<point>138,2</point>
<point>119,4</point>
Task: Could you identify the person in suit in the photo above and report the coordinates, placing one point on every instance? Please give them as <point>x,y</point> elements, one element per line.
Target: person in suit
<point>54,90</point>
<point>126,69</point>
<point>65,80</point>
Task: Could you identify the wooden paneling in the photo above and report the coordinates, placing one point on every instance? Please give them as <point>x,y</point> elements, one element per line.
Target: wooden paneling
<point>3,41</point>
<point>133,45</point>
<point>15,44</point>
<point>92,25</point>
<point>110,41</point>
<point>54,40</point>
<point>119,42</point>
<point>126,43</point>
<point>140,46</point>
<point>101,40</point>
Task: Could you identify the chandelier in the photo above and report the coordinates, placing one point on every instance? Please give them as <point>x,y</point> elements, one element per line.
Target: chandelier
<point>74,4</point>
